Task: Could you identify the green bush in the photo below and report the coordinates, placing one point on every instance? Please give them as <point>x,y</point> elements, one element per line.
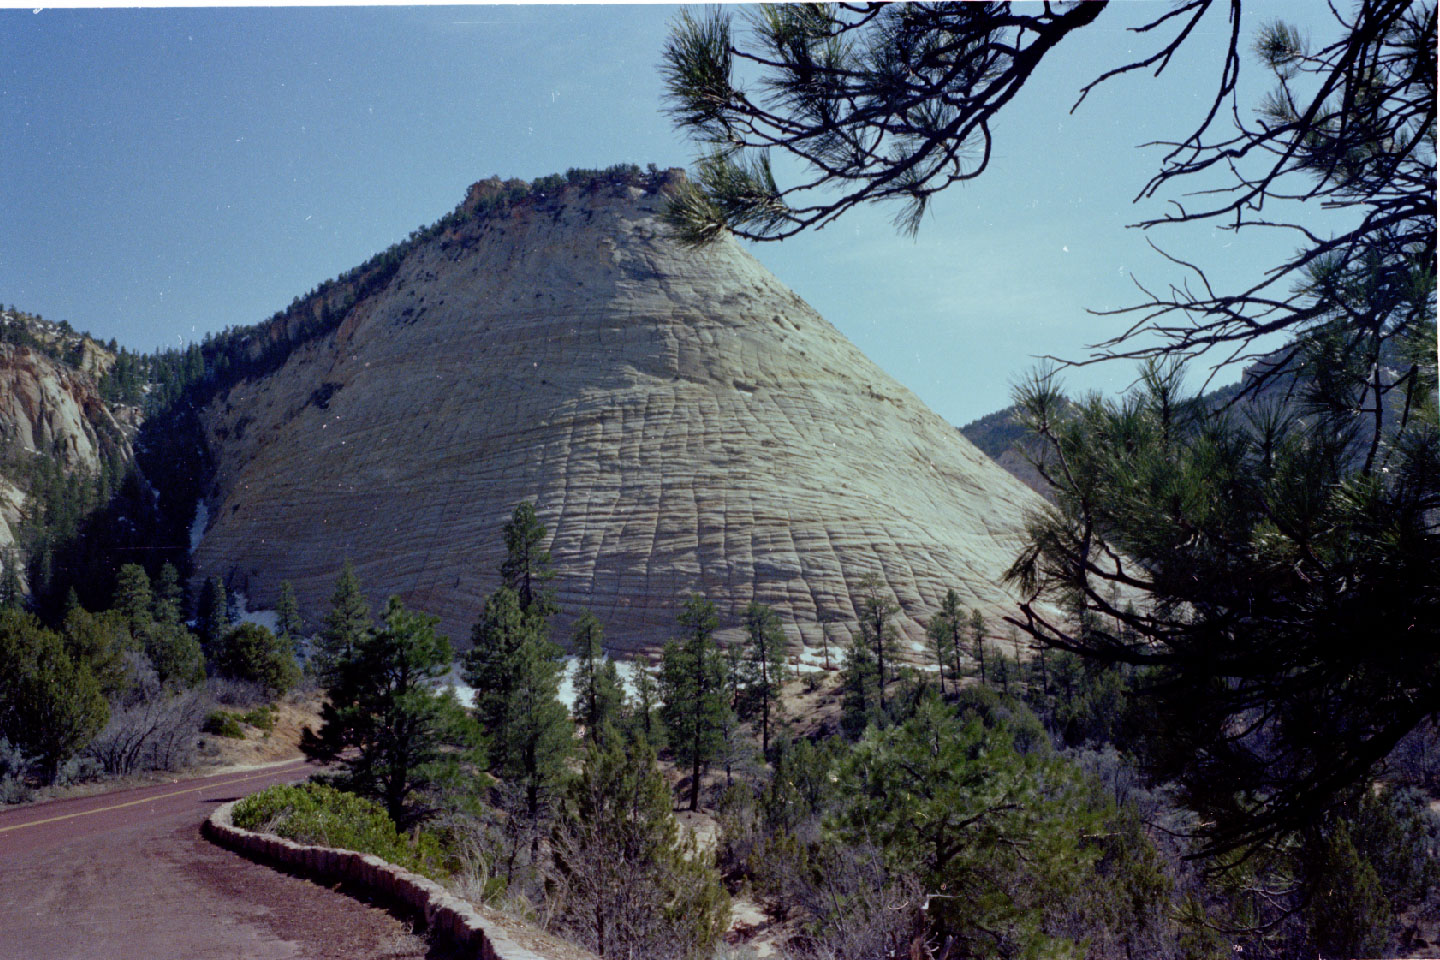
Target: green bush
<point>223,724</point>
<point>320,814</point>
<point>262,717</point>
<point>252,653</point>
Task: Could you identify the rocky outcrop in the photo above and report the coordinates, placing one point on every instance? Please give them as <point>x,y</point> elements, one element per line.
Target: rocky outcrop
<point>50,408</point>
<point>684,422</point>
<point>54,409</point>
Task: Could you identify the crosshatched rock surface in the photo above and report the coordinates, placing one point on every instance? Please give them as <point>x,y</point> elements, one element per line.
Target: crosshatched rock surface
<point>683,421</point>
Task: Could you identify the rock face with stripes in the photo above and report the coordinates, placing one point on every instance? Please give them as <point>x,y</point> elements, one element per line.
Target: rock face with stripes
<point>683,422</point>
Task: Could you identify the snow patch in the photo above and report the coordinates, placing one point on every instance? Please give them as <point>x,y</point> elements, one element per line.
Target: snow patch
<point>268,619</point>
<point>198,525</point>
<point>626,668</point>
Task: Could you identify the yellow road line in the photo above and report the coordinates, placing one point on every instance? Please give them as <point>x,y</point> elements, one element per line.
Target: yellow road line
<point>132,803</point>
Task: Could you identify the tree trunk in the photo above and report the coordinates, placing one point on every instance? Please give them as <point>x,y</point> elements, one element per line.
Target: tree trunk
<point>765,723</point>
<point>695,780</point>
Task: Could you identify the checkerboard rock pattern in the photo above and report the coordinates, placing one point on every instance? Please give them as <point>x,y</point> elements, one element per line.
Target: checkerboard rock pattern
<point>683,421</point>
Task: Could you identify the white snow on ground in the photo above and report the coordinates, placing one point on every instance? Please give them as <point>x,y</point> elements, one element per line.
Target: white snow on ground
<point>197,527</point>
<point>626,669</point>
<point>813,658</point>
<point>268,619</point>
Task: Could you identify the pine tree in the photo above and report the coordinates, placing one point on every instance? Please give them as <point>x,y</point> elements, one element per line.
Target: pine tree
<point>491,666</point>
<point>527,569</point>
<point>764,669</point>
<point>859,689</point>
<point>212,616</point>
<point>946,628</point>
<point>394,731</point>
<point>169,596</point>
<point>977,639</point>
<point>287,616</point>
<point>102,642</point>
<point>875,611</point>
<point>598,693</point>
<point>514,672</point>
<point>538,737</point>
<point>132,598</point>
<point>1350,915</point>
<point>692,687</point>
<point>12,589</point>
<point>646,720</point>
<point>628,884</point>
<point>50,704</point>
<point>251,653</point>
<point>347,624</point>
<point>956,805</point>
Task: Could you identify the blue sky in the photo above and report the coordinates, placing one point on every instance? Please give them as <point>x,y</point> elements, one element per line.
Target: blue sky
<point>167,172</point>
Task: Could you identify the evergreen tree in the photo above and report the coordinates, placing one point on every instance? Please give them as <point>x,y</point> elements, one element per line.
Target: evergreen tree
<point>957,806</point>
<point>250,652</point>
<point>287,615</point>
<point>514,671</point>
<point>877,633</point>
<point>12,588</point>
<point>764,671</point>
<point>176,654</point>
<point>396,734</point>
<point>212,616</point>
<point>1259,553</point>
<point>347,624</point>
<point>977,640</point>
<point>598,693</point>
<point>692,685</point>
<point>1349,912</point>
<point>51,705</point>
<point>133,599</point>
<point>537,737</point>
<point>102,642</point>
<point>629,885</point>
<point>527,569</point>
<point>169,596</point>
<point>955,620</point>
<point>646,720</point>
<point>491,667</point>
<point>859,689</point>
<point>1264,549</point>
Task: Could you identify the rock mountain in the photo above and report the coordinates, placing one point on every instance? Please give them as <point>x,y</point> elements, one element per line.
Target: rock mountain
<point>51,408</point>
<point>683,421</point>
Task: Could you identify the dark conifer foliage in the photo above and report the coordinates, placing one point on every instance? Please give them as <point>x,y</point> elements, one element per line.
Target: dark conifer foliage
<point>692,687</point>
<point>763,671</point>
<point>526,568</point>
<point>1255,554</point>
<point>346,625</point>
<point>599,695</point>
<point>398,736</point>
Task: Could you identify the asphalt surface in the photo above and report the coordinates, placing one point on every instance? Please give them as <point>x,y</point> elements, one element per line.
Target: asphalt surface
<point>127,875</point>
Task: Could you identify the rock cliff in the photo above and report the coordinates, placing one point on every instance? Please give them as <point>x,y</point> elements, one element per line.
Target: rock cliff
<point>51,407</point>
<point>683,421</point>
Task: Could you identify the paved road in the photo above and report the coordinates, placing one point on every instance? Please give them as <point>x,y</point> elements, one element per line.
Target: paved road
<point>127,875</point>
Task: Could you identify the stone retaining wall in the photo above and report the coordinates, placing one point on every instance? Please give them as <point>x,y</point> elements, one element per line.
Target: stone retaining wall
<point>423,899</point>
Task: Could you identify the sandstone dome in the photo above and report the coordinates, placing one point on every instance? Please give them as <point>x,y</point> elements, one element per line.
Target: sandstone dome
<point>682,420</point>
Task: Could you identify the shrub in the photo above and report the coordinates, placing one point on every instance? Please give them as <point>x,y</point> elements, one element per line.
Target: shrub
<point>223,724</point>
<point>251,652</point>
<point>51,705</point>
<point>262,717</point>
<point>156,732</point>
<point>320,814</point>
